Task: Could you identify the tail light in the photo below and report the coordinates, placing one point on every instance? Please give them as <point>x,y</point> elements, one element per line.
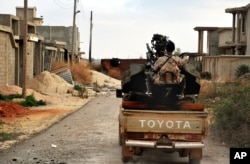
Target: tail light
<point>193,137</point>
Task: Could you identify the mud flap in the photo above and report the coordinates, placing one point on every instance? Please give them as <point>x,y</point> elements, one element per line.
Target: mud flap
<point>195,154</point>
<point>126,151</point>
<point>127,154</point>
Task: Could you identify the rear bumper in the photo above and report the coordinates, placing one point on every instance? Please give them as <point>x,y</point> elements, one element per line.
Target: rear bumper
<point>153,144</point>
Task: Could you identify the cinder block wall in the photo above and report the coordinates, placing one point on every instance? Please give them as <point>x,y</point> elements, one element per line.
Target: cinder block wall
<point>7,60</point>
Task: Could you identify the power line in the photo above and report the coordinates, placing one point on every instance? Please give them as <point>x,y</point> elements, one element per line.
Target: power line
<point>65,4</point>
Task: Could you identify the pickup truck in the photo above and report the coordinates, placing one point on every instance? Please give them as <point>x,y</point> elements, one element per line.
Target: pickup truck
<point>159,107</point>
<point>162,127</point>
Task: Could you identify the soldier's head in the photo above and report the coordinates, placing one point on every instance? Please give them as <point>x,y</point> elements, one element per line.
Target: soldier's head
<point>170,47</point>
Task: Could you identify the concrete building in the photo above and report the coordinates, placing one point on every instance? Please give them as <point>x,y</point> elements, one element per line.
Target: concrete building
<point>11,51</point>
<point>8,53</point>
<point>46,45</point>
<point>63,34</point>
<point>227,47</point>
<point>240,30</point>
<point>32,17</point>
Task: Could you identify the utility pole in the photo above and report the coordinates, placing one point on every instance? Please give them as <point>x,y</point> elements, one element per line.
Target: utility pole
<point>73,34</point>
<point>25,28</point>
<point>90,39</point>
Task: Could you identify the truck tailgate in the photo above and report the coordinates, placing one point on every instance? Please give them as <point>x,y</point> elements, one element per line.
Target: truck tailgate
<point>164,121</point>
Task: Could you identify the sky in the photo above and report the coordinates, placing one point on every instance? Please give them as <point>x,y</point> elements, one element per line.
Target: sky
<point>121,28</point>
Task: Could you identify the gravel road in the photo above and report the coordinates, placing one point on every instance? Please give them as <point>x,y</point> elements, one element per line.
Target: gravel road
<point>90,135</point>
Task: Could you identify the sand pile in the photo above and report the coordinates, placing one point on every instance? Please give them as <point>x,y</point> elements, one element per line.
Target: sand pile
<point>48,82</point>
<point>13,89</point>
<point>104,80</point>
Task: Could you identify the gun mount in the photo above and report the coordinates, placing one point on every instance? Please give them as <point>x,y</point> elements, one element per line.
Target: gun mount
<point>163,79</point>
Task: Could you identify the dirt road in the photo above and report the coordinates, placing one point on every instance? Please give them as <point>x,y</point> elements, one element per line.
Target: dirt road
<point>90,136</point>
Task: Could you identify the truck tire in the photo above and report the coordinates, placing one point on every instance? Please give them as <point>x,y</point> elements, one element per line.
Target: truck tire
<point>183,153</point>
<point>194,161</point>
<point>125,159</point>
<point>138,151</point>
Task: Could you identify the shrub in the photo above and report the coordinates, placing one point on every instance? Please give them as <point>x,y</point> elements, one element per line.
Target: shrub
<point>81,72</point>
<point>82,91</point>
<point>9,97</point>
<point>206,75</point>
<point>232,116</point>
<point>241,70</point>
<point>31,101</point>
<point>77,87</point>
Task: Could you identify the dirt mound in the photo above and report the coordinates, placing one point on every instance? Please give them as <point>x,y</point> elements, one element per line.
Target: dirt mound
<point>12,109</point>
<point>10,89</point>
<point>244,79</point>
<point>13,89</point>
<point>47,82</point>
<point>55,89</point>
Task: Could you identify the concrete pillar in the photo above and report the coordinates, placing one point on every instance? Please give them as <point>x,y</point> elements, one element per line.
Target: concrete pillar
<point>239,27</point>
<point>233,33</point>
<point>200,42</point>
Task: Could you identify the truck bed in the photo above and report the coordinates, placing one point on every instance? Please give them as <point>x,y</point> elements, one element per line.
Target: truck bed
<point>179,107</point>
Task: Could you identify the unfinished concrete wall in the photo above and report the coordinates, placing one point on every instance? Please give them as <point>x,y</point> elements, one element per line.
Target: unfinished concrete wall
<point>60,33</point>
<point>7,60</point>
<point>10,21</point>
<point>225,35</point>
<point>223,67</point>
<point>31,13</point>
<point>225,38</point>
<point>212,43</point>
<point>5,20</point>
